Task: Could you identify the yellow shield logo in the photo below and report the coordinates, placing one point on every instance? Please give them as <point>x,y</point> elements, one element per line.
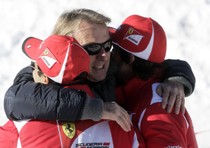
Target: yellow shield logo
<point>69,129</point>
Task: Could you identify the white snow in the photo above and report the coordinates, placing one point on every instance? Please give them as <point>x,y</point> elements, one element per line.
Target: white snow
<point>186,23</point>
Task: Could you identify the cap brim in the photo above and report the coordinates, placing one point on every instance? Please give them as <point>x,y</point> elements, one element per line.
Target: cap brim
<point>30,46</point>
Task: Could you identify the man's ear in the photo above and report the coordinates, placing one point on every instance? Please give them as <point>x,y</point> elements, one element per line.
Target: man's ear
<point>40,78</point>
<point>45,79</point>
<point>131,58</point>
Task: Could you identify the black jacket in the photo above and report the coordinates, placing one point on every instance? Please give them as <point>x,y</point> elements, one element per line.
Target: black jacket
<point>26,99</point>
<point>180,71</point>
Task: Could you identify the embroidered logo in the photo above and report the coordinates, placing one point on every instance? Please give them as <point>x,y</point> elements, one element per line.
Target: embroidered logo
<point>133,36</point>
<point>93,145</point>
<point>69,129</point>
<point>174,146</point>
<point>48,58</point>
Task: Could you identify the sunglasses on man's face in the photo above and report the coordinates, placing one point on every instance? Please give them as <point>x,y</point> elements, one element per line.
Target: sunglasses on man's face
<point>95,48</point>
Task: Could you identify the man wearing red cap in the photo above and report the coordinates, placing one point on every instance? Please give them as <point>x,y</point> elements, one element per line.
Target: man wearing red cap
<point>55,62</point>
<point>140,48</point>
<point>90,30</point>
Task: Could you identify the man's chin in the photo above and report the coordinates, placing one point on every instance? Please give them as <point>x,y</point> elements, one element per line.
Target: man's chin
<point>98,75</point>
<point>97,78</point>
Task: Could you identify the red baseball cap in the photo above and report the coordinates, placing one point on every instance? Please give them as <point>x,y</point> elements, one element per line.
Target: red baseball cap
<point>143,37</point>
<point>112,30</point>
<point>61,58</point>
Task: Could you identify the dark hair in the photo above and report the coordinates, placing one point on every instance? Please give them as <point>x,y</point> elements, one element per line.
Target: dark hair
<point>143,68</point>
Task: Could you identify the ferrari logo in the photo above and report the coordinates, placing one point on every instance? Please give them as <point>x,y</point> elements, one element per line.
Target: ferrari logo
<point>69,129</point>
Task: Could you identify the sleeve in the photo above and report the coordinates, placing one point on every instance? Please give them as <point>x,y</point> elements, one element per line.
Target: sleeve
<point>26,99</point>
<point>161,129</point>
<point>180,71</point>
<point>8,135</point>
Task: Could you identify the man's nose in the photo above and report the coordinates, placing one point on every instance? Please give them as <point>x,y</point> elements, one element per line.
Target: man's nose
<point>102,52</point>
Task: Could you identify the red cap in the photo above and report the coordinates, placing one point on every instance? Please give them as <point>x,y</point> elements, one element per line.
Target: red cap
<point>59,57</point>
<point>143,37</point>
<point>112,30</point>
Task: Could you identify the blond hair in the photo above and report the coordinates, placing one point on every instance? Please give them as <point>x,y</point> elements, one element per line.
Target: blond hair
<point>68,22</point>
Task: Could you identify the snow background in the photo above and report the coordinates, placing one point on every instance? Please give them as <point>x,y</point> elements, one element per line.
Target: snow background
<point>186,23</point>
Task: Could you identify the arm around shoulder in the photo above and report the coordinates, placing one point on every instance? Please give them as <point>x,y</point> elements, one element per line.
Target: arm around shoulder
<point>180,71</point>
<point>26,99</point>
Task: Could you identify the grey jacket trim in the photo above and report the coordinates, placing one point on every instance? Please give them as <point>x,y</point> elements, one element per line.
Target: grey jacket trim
<point>187,85</point>
<point>93,109</point>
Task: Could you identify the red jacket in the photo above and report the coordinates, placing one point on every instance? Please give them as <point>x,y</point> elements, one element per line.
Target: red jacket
<point>158,128</point>
<point>57,134</point>
<point>32,134</point>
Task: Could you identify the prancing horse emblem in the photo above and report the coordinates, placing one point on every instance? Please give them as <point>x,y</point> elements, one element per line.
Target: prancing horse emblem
<point>69,129</point>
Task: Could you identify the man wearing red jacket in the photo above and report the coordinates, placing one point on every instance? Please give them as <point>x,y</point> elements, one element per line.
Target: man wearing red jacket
<point>140,48</point>
<point>26,100</point>
<point>56,62</point>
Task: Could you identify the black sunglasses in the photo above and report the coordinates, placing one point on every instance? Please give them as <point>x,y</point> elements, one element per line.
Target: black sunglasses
<point>94,48</point>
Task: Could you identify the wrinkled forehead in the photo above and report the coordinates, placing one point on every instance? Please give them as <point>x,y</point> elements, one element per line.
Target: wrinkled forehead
<point>91,33</point>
